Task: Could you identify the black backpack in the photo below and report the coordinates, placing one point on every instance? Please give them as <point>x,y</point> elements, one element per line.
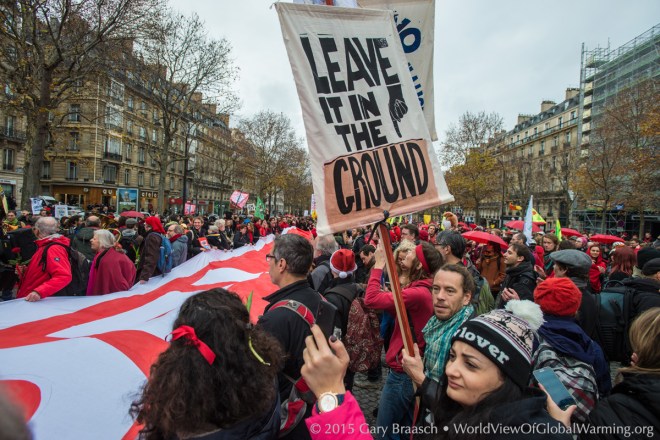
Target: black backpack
<point>615,315</point>
<point>129,244</point>
<point>80,267</point>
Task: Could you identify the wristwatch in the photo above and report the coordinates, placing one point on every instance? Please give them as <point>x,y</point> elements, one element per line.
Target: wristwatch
<point>328,401</point>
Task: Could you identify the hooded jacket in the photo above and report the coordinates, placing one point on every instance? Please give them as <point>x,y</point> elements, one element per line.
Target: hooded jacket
<point>179,250</point>
<point>58,269</point>
<point>419,305</point>
<point>82,242</point>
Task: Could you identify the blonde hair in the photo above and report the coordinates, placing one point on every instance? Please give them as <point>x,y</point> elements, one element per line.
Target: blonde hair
<point>644,335</point>
<point>404,246</point>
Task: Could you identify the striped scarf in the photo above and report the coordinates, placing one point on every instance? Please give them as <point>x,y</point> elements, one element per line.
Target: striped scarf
<point>437,335</point>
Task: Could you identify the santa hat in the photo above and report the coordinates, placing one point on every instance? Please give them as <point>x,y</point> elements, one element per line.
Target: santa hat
<point>342,262</point>
<point>558,297</point>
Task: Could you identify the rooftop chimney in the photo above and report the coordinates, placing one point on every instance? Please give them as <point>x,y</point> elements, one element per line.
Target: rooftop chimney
<point>572,92</point>
<point>547,105</point>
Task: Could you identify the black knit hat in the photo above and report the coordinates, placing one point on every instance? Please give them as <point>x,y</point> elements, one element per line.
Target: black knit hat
<point>506,337</point>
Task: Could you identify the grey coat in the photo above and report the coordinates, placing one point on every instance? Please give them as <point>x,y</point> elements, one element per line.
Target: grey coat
<point>179,251</point>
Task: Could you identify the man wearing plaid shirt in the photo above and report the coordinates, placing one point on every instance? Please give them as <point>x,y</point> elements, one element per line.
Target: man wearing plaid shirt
<point>452,292</point>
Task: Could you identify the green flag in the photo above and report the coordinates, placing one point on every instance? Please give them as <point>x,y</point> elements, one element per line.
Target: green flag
<point>259,209</point>
<point>558,230</point>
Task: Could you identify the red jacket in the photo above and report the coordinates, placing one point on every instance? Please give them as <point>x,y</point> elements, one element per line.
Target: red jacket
<point>115,273</point>
<point>58,269</point>
<point>419,304</point>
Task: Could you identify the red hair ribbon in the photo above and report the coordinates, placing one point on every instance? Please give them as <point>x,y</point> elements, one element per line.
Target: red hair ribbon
<point>188,332</point>
<point>419,251</point>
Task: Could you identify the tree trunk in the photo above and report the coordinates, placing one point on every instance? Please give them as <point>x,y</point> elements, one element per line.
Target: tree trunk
<point>35,156</point>
<point>477,214</point>
<point>641,222</point>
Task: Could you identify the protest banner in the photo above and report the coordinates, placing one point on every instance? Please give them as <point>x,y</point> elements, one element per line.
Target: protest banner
<point>60,211</point>
<point>37,205</point>
<point>369,144</point>
<point>239,199</point>
<point>76,363</point>
<point>415,22</point>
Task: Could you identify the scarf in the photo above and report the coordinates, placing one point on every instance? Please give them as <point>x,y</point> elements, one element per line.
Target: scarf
<point>437,335</point>
<point>175,238</point>
<point>567,337</point>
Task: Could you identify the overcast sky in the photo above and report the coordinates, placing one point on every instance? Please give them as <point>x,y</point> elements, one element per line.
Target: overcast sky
<point>502,56</point>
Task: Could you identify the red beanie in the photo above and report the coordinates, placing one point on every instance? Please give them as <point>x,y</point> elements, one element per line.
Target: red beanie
<point>558,297</point>
<point>342,262</point>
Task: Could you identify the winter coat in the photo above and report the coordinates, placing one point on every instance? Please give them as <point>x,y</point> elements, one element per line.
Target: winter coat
<point>179,250</point>
<point>342,303</point>
<point>289,328</point>
<point>241,240</point>
<point>595,275</point>
<point>82,242</point>
<point>219,240</point>
<point>647,294</point>
<point>419,305</point>
<point>196,247</point>
<point>58,269</point>
<point>492,271</point>
<point>520,278</point>
<point>635,402</point>
<point>149,256</point>
<point>111,272</point>
<point>587,316</point>
<point>265,427</point>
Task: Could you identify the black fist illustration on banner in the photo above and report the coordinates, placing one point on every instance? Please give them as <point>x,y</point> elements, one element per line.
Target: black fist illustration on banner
<point>397,105</point>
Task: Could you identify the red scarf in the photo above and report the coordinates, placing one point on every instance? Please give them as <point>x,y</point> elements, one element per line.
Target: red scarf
<point>175,237</point>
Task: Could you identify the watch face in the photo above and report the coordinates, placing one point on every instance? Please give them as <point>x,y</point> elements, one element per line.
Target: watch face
<point>327,402</point>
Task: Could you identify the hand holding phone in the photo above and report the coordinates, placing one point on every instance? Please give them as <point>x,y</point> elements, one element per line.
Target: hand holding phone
<point>553,386</point>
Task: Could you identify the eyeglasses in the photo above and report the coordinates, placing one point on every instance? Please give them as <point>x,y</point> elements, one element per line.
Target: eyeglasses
<point>269,257</point>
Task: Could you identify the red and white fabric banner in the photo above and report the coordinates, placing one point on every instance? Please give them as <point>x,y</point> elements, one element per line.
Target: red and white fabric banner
<point>76,364</point>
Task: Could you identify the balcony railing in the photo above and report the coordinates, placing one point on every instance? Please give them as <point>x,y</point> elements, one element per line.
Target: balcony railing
<point>10,133</point>
<point>112,156</point>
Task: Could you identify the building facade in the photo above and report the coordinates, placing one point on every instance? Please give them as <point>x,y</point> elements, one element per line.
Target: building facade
<point>535,158</point>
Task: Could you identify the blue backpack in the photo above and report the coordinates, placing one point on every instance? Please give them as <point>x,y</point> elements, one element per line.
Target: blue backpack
<point>165,258</point>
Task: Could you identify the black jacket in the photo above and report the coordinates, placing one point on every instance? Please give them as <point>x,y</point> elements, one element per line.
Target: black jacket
<point>587,316</point>
<point>219,240</point>
<point>522,279</point>
<point>82,242</point>
<point>265,427</point>
<point>506,421</point>
<point>647,294</point>
<point>635,402</point>
<point>291,330</point>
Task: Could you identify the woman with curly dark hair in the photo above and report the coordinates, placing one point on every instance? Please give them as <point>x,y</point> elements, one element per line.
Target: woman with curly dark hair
<point>217,379</point>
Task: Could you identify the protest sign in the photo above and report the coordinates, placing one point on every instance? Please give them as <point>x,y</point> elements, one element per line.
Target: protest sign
<point>61,211</point>
<point>369,144</point>
<point>37,205</point>
<point>239,199</point>
<point>415,22</point>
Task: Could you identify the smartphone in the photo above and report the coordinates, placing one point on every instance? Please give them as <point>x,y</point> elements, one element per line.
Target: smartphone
<point>325,319</point>
<point>558,392</point>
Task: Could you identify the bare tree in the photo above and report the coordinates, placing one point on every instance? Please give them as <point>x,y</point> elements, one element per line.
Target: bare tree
<point>474,130</point>
<point>274,143</point>
<point>189,74</point>
<point>48,46</point>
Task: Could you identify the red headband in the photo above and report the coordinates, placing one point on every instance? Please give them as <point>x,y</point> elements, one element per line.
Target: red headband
<point>189,333</point>
<point>420,256</point>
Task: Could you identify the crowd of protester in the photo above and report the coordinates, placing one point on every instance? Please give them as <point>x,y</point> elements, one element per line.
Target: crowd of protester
<point>483,317</point>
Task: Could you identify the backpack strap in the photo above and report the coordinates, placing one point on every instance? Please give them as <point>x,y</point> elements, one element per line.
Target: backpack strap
<point>44,255</point>
<point>299,308</point>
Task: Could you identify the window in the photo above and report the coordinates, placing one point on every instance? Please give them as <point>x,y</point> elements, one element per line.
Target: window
<point>45,169</point>
<point>74,141</point>
<point>140,178</point>
<point>129,127</point>
<point>141,155</point>
<point>542,149</point>
<point>127,176</point>
<point>116,90</point>
<point>143,133</point>
<point>154,115</point>
<point>109,174</point>
<point>560,121</point>
<point>568,137</point>
<point>10,122</point>
<point>130,103</point>
<point>8,159</point>
<point>129,152</point>
<point>143,106</point>
<point>152,180</point>
<point>154,136</point>
<point>113,148</point>
<point>71,170</point>
<point>555,141</point>
<point>573,116</point>
<point>74,112</point>
<point>78,85</point>
<point>536,130</point>
<point>171,182</point>
<point>113,116</point>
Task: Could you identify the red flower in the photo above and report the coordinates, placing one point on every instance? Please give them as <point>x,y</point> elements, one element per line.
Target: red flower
<point>16,250</point>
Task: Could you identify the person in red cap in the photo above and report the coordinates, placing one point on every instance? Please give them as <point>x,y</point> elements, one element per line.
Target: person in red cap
<point>150,250</point>
<point>563,346</point>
